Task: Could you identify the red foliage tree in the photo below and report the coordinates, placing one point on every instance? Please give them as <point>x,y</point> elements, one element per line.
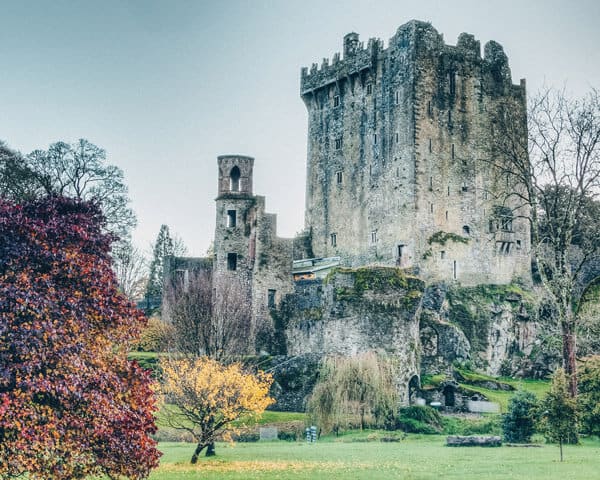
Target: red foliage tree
<point>71,404</point>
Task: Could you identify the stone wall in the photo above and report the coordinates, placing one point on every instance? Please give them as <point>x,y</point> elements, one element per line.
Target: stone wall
<point>355,311</point>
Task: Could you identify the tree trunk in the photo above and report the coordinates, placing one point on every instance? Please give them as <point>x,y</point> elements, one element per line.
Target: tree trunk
<point>560,442</point>
<point>210,451</point>
<point>569,352</point>
<point>197,452</point>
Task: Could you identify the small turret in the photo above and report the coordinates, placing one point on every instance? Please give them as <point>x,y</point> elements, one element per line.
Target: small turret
<point>351,44</point>
<point>235,175</point>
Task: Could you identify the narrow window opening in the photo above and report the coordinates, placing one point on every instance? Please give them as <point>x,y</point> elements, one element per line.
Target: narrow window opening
<point>338,143</point>
<point>430,183</point>
<point>232,261</point>
<point>431,207</point>
<point>234,179</point>
<point>271,298</point>
<point>374,236</point>
<point>448,190</point>
<point>369,88</point>
<point>333,239</point>
<point>452,78</point>
<point>446,215</point>
<point>449,117</point>
<point>430,147</point>
<point>466,230</point>
<point>336,101</point>
<point>339,177</point>
<point>231,218</point>
<point>374,139</point>
<point>397,98</point>
<point>452,148</point>
<point>443,254</point>
<point>397,137</point>
<point>454,269</point>
<point>429,110</point>
<point>464,187</point>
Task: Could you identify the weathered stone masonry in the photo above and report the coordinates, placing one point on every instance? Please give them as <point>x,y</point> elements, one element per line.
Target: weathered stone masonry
<point>400,149</point>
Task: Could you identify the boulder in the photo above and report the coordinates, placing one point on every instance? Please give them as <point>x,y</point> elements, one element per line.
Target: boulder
<point>473,441</point>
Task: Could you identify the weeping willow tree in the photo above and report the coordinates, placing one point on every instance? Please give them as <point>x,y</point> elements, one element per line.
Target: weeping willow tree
<point>354,392</point>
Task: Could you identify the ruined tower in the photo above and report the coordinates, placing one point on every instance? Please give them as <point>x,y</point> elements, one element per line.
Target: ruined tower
<point>400,155</point>
<point>250,261</point>
<point>234,248</point>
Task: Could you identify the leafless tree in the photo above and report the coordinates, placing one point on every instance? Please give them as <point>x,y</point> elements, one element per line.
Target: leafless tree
<point>208,320</point>
<point>131,268</point>
<point>557,171</point>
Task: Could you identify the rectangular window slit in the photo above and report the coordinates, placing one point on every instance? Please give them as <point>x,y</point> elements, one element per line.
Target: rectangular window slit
<point>333,239</point>
<point>231,218</point>
<point>232,261</point>
<point>271,298</point>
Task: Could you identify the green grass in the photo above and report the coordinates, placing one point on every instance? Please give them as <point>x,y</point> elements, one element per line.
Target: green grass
<point>142,355</point>
<point>415,458</point>
<point>268,417</point>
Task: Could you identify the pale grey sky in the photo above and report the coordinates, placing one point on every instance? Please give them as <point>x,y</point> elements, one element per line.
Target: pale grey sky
<point>166,86</point>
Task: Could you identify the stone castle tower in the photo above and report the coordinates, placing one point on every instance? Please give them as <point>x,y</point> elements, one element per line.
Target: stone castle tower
<point>250,262</point>
<point>400,173</point>
<point>400,155</point>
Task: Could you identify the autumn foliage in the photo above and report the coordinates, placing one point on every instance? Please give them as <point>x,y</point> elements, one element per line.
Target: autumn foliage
<point>71,404</point>
<point>205,397</point>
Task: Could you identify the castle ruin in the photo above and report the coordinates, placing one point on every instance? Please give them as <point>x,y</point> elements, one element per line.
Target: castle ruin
<point>401,196</point>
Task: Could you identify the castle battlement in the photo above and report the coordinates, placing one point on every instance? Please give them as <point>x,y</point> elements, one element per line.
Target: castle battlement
<point>418,37</point>
<point>356,59</point>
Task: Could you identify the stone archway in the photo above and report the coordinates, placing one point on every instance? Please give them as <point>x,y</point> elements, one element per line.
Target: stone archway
<point>414,386</point>
<point>449,392</point>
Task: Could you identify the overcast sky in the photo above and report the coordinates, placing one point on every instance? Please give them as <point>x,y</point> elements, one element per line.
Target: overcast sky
<point>166,86</point>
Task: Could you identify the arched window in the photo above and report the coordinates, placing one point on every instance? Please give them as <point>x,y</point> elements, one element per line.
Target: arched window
<point>466,230</point>
<point>234,179</point>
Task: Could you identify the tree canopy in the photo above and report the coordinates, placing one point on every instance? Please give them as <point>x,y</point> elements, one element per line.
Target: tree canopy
<point>71,404</point>
<point>207,396</point>
<point>164,246</point>
<point>77,170</point>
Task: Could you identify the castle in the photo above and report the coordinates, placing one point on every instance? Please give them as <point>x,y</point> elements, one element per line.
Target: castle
<point>399,174</point>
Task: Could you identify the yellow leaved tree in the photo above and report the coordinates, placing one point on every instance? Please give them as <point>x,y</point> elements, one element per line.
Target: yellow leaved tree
<point>204,397</point>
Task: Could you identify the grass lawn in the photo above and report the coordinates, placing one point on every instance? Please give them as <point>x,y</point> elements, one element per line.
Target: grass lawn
<point>415,458</point>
